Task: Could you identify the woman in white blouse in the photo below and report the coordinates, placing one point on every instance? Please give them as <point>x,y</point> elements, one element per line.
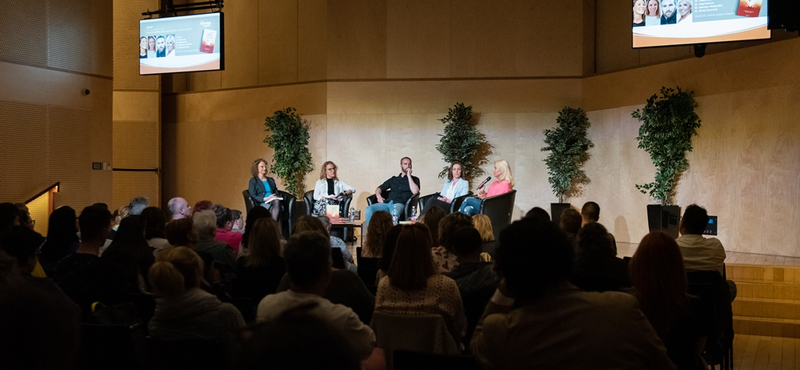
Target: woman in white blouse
<point>329,189</point>
<point>454,187</point>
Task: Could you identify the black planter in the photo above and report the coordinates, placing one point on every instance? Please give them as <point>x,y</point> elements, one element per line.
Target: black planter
<point>556,209</point>
<point>664,218</point>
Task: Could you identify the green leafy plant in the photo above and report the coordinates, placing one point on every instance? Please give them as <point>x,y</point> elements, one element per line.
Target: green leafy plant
<point>668,124</point>
<point>288,136</point>
<point>462,142</point>
<point>569,150</point>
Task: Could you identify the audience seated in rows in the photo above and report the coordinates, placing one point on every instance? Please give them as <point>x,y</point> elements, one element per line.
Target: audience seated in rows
<point>337,242</point>
<point>183,309</point>
<point>259,272</point>
<point>538,320</point>
<point>308,264</point>
<point>444,258</point>
<point>130,250</point>
<point>597,268</point>
<point>62,238</point>
<point>83,275</point>
<point>154,222</point>
<point>412,284</point>
<point>179,208</point>
<point>376,233</point>
<point>659,283</point>
<point>205,225</point>
<point>225,231</point>
<point>476,280</point>
<point>590,213</point>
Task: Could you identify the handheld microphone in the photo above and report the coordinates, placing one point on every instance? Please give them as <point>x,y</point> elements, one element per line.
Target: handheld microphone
<point>484,183</point>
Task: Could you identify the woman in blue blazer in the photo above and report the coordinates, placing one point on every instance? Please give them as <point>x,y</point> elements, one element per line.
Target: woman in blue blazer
<point>454,187</point>
<point>263,190</point>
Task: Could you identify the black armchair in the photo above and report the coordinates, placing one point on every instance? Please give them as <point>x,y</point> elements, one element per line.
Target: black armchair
<point>288,215</point>
<point>413,201</point>
<point>499,209</point>
<point>454,205</point>
<point>344,207</point>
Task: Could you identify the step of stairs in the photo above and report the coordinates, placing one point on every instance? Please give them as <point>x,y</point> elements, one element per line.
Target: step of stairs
<point>768,300</point>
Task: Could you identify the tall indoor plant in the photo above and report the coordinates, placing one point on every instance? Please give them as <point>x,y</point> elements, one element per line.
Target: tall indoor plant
<point>668,123</point>
<point>569,150</point>
<point>462,142</point>
<point>288,136</point>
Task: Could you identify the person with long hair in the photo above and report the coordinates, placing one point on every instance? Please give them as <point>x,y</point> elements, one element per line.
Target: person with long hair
<point>659,283</point>
<point>143,47</point>
<point>412,284</point>
<point>684,12</point>
<point>253,215</point>
<point>484,226</point>
<point>444,256</point>
<point>179,233</point>
<point>329,190</point>
<point>389,242</point>
<point>454,187</point>
<point>376,233</point>
<point>504,182</point>
<point>638,13</point>
<point>154,223</point>
<point>151,46</point>
<point>597,268</point>
<point>131,250</point>
<point>263,190</point>
<point>260,271</point>
<point>653,14</point>
<point>183,309</point>
<point>62,238</point>
<point>431,219</point>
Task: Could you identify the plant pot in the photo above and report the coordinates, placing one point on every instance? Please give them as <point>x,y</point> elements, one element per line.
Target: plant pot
<point>556,209</point>
<point>664,218</point>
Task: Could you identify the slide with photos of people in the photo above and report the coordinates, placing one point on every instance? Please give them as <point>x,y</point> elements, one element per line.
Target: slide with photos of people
<point>180,44</point>
<point>681,22</point>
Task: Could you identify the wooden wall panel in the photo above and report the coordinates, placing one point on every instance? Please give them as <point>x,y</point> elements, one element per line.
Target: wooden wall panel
<point>417,28</point>
<point>23,163</point>
<point>277,42</point>
<point>356,39</point>
<point>241,40</point>
<point>312,40</point>
<point>31,35</point>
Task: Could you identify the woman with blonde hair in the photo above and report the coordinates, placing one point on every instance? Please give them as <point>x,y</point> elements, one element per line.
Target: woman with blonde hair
<point>484,226</point>
<point>183,309</point>
<point>329,189</point>
<point>504,182</point>
<point>259,273</point>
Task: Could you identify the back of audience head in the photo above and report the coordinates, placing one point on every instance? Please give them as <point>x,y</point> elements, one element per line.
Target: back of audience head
<point>570,221</point>
<point>467,243</point>
<point>180,233</point>
<point>179,270</point>
<point>309,223</point>
<point>593,240</point>
<point>8,215</point>
<point>484,226</point>
<point>326,221</point>
<point>412,263</point>
<point>178,208</point>
<point>61,225</point>
<point>297,340</point>
<point>265,243</point>
<point>590,212</point>
<point>659,280</point>
<point>431,219</point>
<point>205,224</point>
<point>154,222</point>
<point>95,223</point>
<point>24,218</point>
<point>389,243</point>
<point>137,205</point>
<point>131,231</point>
<point>694,221</point>
<point>21,243</point>
<point>224,217</point>
<point>252,215</point>
<point>237,219</point>
<point>449,225</point>
<point>308,259</point>
<point>538,214</point>
<point>202,206</point>
<point>379,225</point>
<point>533,256</point>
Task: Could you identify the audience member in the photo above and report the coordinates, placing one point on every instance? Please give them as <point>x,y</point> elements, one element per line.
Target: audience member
<point>154,223</point>
<point>179,208</point>
<point>238,221</point>
<point>537,319</point>
<point>130,250</point>
<point>538,214</point>
<point>62,238</point>
<point>337,242</point>
<point>225,231</point>
<point>252,215</point>
<point>22,243</point>
<point>699,253</point>
<point>204,224</point>
<point>376,233</point>
<point>475,279</point>
<point>119,214</point>
<point>570,223</point>
<point>413,285</point>
<point>389,243</point>
<point>659,283</point>
<point>138,205</point>
<point>259,272</point>
<point>83,275</point>
<point>590,213</point>
<point>431,219</point>
<point>484,226</point>
<point>202,206</point>
<point>402,187</point>
<point>597,268</point>
<point>24,216</point>
<point>179,233</point>
<point>308,264</point>
<point>183,309</point>
<point>444,259</point>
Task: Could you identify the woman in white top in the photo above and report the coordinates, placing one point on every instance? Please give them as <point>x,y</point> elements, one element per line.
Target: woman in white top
<point>454,187</point>
<point>684,12</point>
<point>329,189</point>
<point>653,14</point>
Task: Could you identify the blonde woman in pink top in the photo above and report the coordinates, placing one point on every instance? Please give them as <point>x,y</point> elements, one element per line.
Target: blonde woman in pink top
<point>503,184</point>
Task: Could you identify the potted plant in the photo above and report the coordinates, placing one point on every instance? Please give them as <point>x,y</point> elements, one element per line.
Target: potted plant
<point>668,123</point>
<point>569,150</point>
<point>462,142</point>
<point>288,136</point>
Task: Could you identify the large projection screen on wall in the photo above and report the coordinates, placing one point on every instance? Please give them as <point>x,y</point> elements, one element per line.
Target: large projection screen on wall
<point>189,43</point>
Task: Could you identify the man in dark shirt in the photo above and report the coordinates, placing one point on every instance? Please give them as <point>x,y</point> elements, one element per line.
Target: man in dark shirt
<point>84,276</point>
<point>402,187</point>
<point>669,16</point>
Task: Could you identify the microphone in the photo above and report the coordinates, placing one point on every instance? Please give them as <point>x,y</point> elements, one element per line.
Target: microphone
<point>484,183</point>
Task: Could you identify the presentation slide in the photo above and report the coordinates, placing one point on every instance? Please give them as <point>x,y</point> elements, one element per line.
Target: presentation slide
<point>684,22</point>
<point>189,43</point>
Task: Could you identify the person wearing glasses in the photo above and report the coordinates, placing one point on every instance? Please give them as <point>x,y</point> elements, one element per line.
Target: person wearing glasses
<point>329,189</point>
